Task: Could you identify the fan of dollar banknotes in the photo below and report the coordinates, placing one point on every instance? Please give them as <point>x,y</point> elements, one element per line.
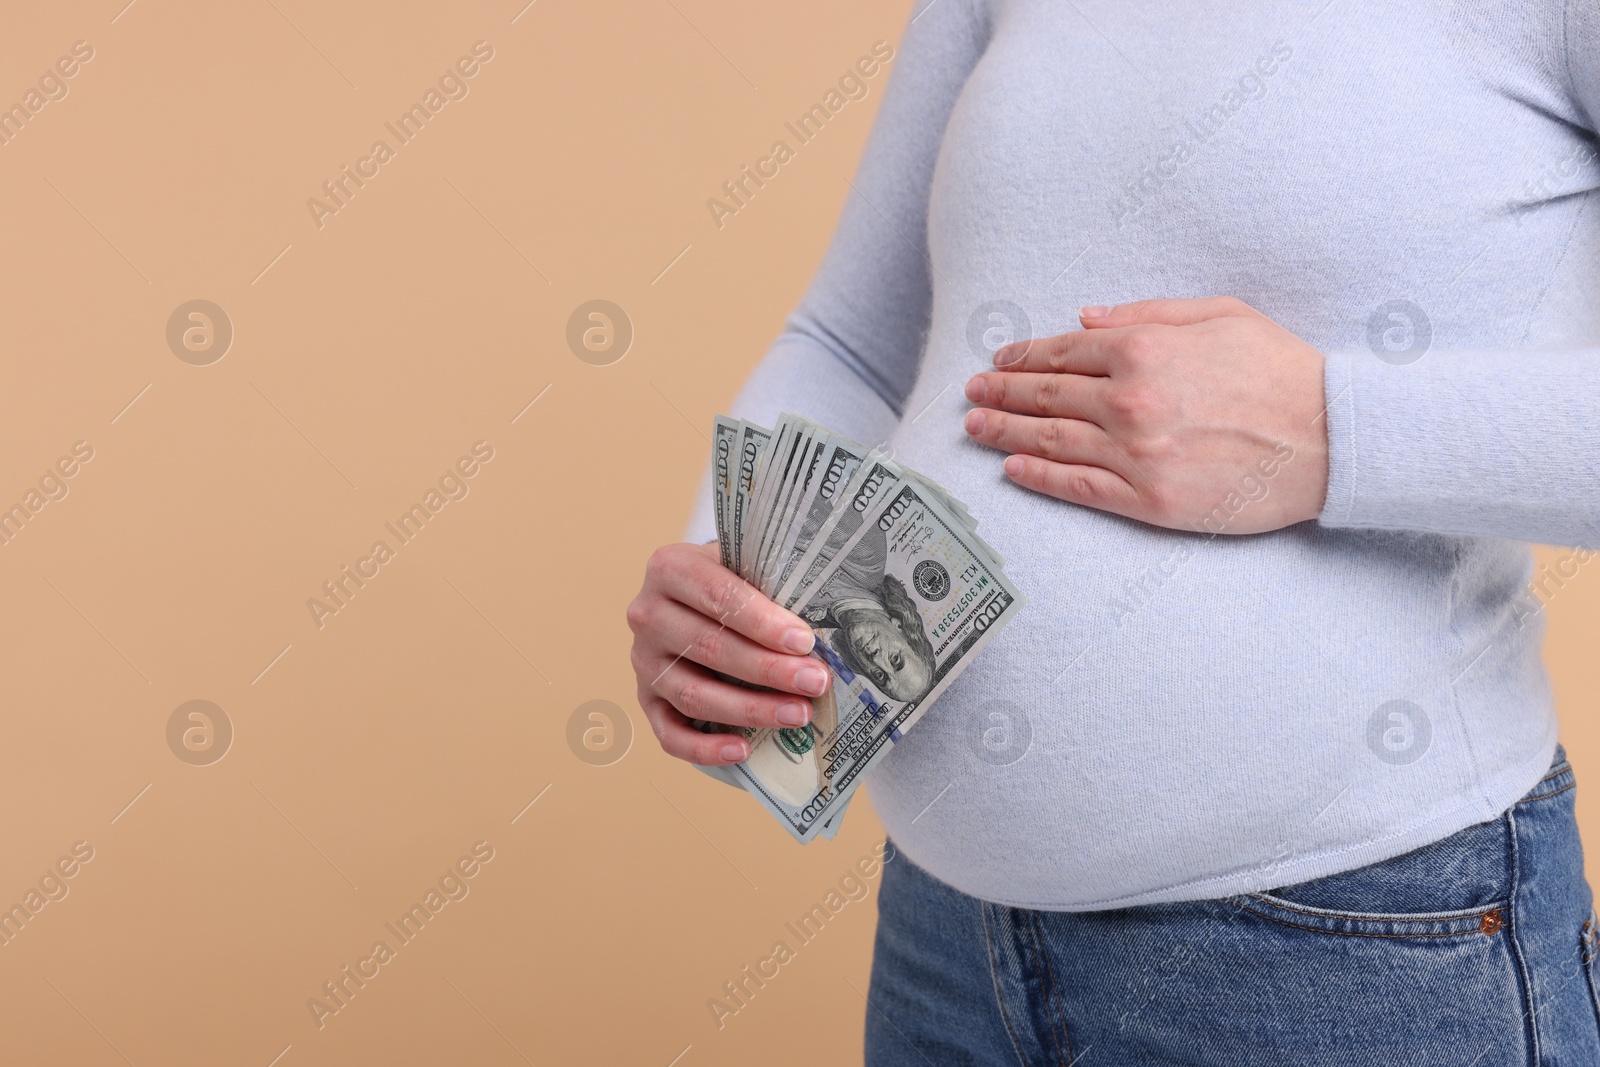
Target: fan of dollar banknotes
<point>887,568</point>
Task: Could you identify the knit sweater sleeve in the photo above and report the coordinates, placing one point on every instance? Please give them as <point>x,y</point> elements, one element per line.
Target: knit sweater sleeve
<point>849,352</point>
<point>1502,443</point>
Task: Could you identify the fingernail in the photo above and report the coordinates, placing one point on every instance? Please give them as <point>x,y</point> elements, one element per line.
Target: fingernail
<point>799,641</point>
<point>975,390</point>
<point>1099,311</point>
<point>1014,465</point>
<point>975,421</point>
<point>794,714</point>
<point>813,680</point>
<point>1007,355</point>
<point>733,751</point>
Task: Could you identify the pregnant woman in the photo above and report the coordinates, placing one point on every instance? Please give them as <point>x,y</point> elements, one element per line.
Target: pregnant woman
<point>1262,338</point>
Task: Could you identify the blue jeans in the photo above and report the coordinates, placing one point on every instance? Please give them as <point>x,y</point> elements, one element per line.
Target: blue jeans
<point>1476,951</point>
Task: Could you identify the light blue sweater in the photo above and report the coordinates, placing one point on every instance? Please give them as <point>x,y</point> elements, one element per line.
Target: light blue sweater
<point>1408,186</point>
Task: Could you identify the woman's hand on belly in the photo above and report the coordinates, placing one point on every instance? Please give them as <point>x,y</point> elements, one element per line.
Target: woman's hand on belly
<point>1188,414</point>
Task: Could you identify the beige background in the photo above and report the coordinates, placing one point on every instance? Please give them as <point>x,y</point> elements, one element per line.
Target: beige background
<point>369,354</point>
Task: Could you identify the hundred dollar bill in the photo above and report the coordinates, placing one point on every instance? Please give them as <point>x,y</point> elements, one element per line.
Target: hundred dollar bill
<point>779,479</point>
<point>907,601</point>
<point>774,462</point>
<point>753,441</point>
<point>873,472</point>
<point>726,443</point>
<point>778,537</point>
<point>872,476</point>
<point>837,461</point>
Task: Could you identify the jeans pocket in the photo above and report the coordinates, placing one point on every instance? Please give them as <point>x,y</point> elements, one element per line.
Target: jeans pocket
<point>1487,920</point>
<point>1588,951</point>
<point>1461,883</point>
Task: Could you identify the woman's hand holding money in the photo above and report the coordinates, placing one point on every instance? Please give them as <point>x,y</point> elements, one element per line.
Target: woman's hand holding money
<point>694,617</point>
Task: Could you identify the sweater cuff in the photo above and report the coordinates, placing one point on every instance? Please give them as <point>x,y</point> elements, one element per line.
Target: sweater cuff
<point>1475,442</point>
<point>1339,416</point>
